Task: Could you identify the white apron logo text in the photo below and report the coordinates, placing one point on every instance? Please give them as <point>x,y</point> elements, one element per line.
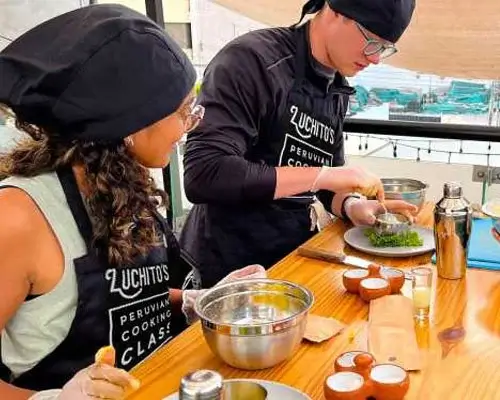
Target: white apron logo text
<point>299,153</point>
<point>139,328</point>
<point>130,282</point>
<point>307,127</point>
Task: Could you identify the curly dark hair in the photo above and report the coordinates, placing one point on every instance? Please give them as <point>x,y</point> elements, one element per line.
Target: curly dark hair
<point>123,197</point>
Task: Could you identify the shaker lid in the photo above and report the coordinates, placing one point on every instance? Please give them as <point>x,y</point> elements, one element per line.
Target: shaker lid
<point>452,190</point>
<point>201,383</point>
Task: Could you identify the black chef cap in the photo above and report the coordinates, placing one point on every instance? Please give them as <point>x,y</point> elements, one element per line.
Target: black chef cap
<point>99,73</point>
<point>387,19</point>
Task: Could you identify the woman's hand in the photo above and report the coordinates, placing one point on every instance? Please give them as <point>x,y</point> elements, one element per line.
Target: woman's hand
<point>363,212</point>
<point>100,381</point>
<point>254,271</point>
<point>189,296</point>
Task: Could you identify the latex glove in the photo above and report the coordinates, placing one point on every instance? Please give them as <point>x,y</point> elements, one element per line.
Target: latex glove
<point>254,271</point>
<point>349,180</point>
<point>46,395</point>
<point>363,212</point>
<point>99,381</point>
<point>189,297</point>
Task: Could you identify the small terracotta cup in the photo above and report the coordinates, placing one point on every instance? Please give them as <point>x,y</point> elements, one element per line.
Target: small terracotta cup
<point>352,278</point>
<point>345,386</point>
<point>373,288</point>
<point>374,271</point>
<point>388,382</point>
<point>360,362</point>
<point>396,278</point>
<point>345,361</point>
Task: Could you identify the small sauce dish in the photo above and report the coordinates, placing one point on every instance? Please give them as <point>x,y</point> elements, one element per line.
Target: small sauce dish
<point>389,223</point>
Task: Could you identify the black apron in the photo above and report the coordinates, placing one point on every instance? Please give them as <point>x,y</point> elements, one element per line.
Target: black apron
<point>308,133</point>
<point>124,307</point>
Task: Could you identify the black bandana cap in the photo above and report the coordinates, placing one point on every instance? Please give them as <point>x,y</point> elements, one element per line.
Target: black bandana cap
<point>99,73</point>
<point>387,19</point>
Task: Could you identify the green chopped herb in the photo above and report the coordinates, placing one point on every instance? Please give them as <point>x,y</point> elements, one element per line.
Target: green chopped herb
<point>403,239</point>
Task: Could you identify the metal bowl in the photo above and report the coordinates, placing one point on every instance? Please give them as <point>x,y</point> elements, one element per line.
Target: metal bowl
<point>256,323</point>
<point>243,390</point>
<point>411,190</point>
<point>389,223</point>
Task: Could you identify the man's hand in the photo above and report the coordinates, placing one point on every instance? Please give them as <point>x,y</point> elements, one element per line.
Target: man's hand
<point>349,180</point>
<point>364,212</point>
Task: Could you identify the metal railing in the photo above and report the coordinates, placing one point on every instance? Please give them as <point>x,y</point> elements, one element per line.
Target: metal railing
<point>430,130</point>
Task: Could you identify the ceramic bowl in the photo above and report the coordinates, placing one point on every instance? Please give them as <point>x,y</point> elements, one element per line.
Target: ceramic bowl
<point>373,288</point>
<point>352,278</point>
<point>396,278</point>
<point>345,386</point>
<point>389,382</point>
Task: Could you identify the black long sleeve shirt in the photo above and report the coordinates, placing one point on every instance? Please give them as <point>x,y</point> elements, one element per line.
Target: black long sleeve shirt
<point>243,90</point>
<point>238,93</point>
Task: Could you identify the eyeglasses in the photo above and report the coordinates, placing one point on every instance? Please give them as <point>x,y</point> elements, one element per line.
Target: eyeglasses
<point>374,46</point>
<point>194,117</point>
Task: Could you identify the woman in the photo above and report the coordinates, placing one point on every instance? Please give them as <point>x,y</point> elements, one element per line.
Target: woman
<point>104,94</point>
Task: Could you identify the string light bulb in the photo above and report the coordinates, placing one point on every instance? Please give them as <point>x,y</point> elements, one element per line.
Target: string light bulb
<point>407,144</point>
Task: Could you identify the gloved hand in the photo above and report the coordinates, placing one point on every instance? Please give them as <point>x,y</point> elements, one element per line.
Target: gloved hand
<point>189,297</point>
<point>349,180</point>
<point>254,271</point>
<point>101,380</point>
<point>363,212</point>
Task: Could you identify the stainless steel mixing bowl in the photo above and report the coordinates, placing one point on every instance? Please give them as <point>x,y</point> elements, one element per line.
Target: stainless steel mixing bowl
<point>255,323</point>
<point>411,190</point>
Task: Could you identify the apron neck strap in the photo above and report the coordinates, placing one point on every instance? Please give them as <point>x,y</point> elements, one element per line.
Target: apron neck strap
<point>77,207</point>
<point>75,202</point>
<point>163,224</point>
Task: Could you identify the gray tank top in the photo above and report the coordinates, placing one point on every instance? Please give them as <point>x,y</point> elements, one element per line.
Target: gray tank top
<point>42,323</point>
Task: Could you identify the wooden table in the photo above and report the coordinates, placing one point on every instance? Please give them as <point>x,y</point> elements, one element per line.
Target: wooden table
<point>468,371</point>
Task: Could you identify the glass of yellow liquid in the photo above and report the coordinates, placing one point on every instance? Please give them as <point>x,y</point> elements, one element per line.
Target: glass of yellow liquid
<point>421,290</point>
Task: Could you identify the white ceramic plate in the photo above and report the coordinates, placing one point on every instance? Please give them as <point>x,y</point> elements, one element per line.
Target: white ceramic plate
<point>356,238</point>
<point>492,208</point>
<point>275,391</point>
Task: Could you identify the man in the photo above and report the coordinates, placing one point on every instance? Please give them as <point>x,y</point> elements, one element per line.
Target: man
<point>271,142</point>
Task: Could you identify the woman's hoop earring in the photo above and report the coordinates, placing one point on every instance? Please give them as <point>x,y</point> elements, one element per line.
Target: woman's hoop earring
<point>129,142</point>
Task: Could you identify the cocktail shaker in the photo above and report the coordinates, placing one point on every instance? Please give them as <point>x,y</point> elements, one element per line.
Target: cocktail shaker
<point>452,226</point>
